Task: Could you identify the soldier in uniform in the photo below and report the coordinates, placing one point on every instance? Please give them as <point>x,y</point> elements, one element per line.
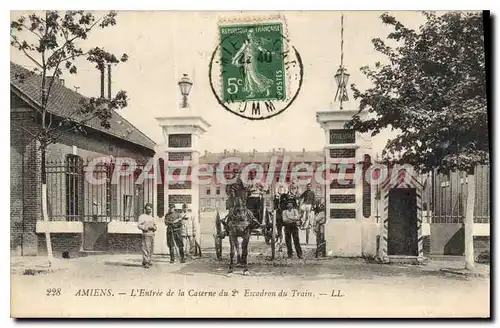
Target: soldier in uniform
<point>319,229</point>
<point>280,200</point>
<point>188,230</point>
<point>308,199</point>
<point>255,198</point>
<point>236,189</point>
<point>293,195</point>
<point>146,223</point>
<point>291,219</point>
<point>173,221</point>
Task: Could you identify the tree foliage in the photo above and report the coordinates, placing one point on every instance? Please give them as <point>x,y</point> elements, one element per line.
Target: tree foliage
<point>433,90</point>
<point>53,42</point>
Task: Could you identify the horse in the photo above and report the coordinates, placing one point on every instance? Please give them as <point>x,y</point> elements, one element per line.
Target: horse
<point>239,222</point>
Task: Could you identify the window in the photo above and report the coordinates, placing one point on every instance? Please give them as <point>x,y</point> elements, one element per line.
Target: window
<point>208,191</point>
<point>127,207</point>
<point>217,191</point>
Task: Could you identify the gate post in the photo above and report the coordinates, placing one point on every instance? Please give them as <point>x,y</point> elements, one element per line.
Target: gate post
<point>347,231</point>
<point>181,151</point>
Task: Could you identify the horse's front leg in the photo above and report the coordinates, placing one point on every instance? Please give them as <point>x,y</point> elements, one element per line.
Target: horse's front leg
<point>244,250</point>
<point>231,254</point>
<point>238,254</point>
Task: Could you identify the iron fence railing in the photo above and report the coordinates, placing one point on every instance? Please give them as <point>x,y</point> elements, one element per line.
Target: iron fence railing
<point>73,196</point>
<point>449,196</point>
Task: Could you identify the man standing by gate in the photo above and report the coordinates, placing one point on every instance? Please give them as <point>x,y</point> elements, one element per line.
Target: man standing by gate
<point>319,230</point>
<point>290,221</point>
<point>188,230</point>
<point>308,199</point>
<point>173,221</point>
<point>280,202</point>
<point>146,223</point>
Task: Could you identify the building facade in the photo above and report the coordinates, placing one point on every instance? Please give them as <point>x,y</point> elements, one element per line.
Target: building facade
<point>213,195</point>
<point>79,210</point>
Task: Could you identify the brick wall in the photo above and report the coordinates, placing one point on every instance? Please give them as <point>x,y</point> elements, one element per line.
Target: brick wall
<point>61,242</point>
<point>26,180</point>
<point>342,199</point>
<point>25,195</point>
<point>342,213</point>
<point>481,245</point>
<point>127,243</point>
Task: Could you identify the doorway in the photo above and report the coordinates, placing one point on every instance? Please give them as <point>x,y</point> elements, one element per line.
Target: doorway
<point>402,222</point>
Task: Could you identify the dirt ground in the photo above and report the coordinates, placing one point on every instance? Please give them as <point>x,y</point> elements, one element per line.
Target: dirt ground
<point>117,286</point>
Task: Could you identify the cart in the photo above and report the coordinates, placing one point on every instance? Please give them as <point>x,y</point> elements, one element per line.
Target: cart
<point>269,230</point>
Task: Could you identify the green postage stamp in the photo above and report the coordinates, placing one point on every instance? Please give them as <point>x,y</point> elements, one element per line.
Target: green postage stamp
<point>253,65</point>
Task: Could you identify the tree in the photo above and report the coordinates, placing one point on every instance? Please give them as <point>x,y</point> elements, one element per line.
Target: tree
<point>52,42</point>
<point>433,91</point>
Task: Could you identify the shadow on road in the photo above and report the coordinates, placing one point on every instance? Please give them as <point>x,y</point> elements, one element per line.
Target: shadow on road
<point>125,264</point>
<point>309,268</point>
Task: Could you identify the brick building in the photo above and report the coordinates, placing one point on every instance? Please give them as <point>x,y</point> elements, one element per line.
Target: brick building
<point>214,194</point>
<point>80,213</point>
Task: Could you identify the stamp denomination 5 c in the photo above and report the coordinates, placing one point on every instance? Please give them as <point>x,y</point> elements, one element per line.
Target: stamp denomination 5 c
<point>255,72</point>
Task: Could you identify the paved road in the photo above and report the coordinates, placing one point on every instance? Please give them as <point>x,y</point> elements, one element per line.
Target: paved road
<point>324,288</point>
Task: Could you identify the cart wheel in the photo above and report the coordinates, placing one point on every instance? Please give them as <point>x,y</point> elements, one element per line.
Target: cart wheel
<point>217,237</point>
<point>273,236</point>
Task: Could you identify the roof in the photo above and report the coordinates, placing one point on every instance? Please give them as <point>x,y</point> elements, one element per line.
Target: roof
<point>263,157</point>
<point>64,102</point>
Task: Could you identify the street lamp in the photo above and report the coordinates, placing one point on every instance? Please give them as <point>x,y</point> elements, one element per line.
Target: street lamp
<point>185,85</point>
<point>341,77</point>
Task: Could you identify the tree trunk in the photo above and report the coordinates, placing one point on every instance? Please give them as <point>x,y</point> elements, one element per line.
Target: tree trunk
<point>469,222</point>
<point>45,216</point>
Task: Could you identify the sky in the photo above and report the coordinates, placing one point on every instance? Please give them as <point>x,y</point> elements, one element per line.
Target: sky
<point>163,45</point>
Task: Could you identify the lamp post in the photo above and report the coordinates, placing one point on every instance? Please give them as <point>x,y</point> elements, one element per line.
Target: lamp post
<point>185,85</point>
<point>341,77</point>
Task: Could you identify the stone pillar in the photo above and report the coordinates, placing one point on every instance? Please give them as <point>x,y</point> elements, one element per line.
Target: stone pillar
<point>346,233</point>
<point>181,153</point>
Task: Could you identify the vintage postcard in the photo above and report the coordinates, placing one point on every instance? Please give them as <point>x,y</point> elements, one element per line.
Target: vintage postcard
<point>196,164</point>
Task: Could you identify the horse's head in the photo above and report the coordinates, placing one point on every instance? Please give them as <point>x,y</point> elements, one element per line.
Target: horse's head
<point>240,212</point>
